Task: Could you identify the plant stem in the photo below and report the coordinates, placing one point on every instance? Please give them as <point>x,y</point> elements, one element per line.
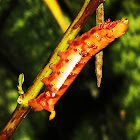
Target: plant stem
<point>57,13</point>
<point>22,109</point>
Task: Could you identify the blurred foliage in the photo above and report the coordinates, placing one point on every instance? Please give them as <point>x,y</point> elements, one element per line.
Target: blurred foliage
<point>28,35</point>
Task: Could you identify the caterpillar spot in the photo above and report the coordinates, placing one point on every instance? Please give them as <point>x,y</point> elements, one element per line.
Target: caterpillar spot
<point>75,50</point>
<point>78,49</point>
<point>53,84</point>
<point>108,21</point>
<point>61,71</point>
<point>43,103</point>
<point>66,60</point>
<point>97,35</point>
<point>58,72</point>
<point>88,43</point>
<point>102,25</point>
<point>71,75</point>
<point>86,54</point>
<point>83,53</point>
<point>110,24</point>
<point>81,63</point>
<point>94,47</point>
<point>47,93</point>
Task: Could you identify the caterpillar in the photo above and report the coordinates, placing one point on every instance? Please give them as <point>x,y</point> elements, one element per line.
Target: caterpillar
<point>72,61</point>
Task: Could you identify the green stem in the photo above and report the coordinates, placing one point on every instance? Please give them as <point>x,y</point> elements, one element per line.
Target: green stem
<point>22,109</point>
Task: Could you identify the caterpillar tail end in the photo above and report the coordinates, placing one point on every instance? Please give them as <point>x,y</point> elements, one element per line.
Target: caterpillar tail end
<point>52,115</point>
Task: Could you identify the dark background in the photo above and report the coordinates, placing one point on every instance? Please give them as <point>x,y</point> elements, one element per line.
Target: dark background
<point>29,33</point>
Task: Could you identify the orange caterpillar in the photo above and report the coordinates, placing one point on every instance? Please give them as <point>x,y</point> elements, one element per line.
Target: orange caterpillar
<point>73,60</point>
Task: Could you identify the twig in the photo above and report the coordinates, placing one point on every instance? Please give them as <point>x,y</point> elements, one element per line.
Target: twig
<point>22,109</point>
<point>99,56</point>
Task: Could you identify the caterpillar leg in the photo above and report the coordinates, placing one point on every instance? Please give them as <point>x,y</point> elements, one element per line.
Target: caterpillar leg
<point>35,105</point>
<point>43,102</point>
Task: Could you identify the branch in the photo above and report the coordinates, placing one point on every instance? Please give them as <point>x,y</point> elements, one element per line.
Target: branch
<point>22,109</point>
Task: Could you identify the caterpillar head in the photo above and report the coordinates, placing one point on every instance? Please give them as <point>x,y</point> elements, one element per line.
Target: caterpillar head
<point>120,27</point>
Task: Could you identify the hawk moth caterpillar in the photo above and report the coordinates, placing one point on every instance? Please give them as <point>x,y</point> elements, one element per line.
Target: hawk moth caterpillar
<point>72,61</point>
